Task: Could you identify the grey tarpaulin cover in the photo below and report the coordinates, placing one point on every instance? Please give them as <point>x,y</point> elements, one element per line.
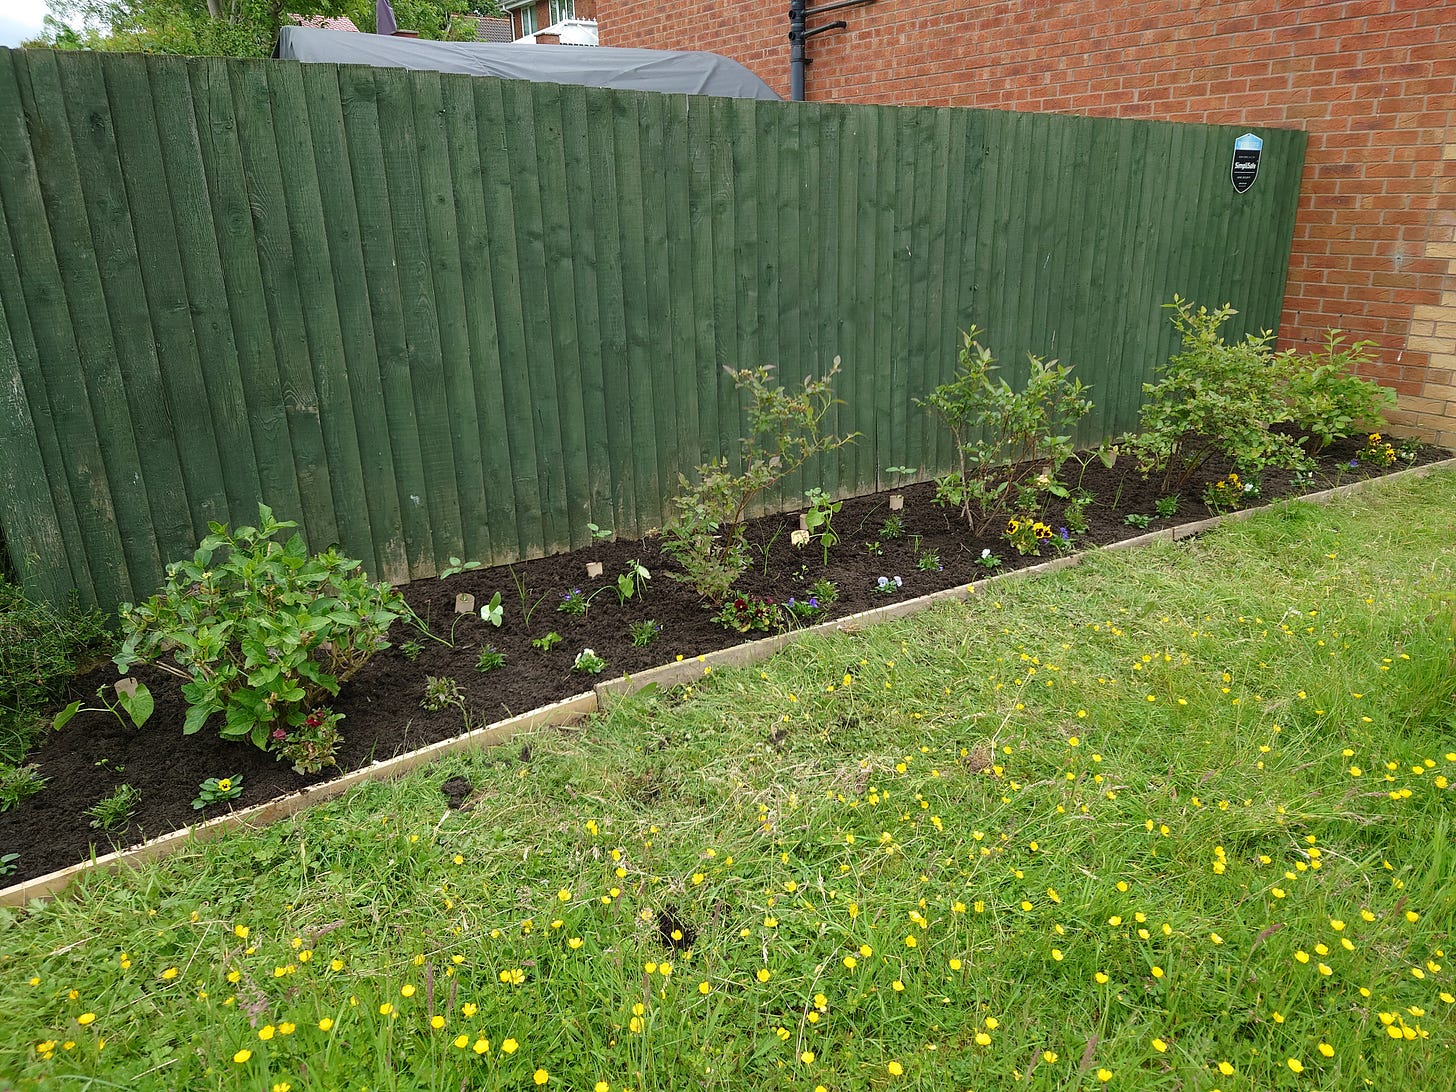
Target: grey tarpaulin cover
<point>671,71</point>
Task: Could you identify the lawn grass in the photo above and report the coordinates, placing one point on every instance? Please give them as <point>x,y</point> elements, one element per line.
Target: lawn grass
<point>1179,818</point>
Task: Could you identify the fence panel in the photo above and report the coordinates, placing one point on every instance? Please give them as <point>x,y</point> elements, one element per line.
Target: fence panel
<point>429,315</point>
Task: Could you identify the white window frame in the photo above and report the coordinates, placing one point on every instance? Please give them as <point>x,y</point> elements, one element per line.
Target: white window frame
<point>562,10</point>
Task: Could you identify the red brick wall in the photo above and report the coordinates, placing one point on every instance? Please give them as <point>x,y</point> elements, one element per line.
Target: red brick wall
<point>1373,81</point>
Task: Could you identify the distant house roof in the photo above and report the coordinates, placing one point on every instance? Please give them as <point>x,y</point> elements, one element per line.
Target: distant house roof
<point>327,22</point>
<point>669,71</point>
<point>578,32</point>
<point>489,28</point>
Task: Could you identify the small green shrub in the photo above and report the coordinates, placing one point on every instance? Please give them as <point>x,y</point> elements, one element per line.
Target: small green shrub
<point>1326,400</point>
<point>785,431</point>
<point>1213,398</point>
<point>1009,444</point>
<point>261,630</point>
<point>489,659</point>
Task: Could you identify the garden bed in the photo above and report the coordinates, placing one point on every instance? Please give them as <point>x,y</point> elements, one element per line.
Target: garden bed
<point>382,705</point>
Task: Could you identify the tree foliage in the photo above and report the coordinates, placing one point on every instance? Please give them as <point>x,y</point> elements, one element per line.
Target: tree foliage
<point>225,28</point>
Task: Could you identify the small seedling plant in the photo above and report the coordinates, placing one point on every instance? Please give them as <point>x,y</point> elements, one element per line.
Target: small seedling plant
<point>599,534</point>
<point>574,602</point>
<point>819,519</point>
<point>588,662</point>
<point>928,561</point>
<point>633,582</point>
<point>547,643</point>
<point>1167,507</point>
<point>114,812</point>
<point>493,612</point>
<point>262,630</point>
<point>893,528</point>
<point>744,613</point>
<point>441,692</point>
<point>216,790</point>
<point>644,633</point>
<point>411,650</point>
<point>1137,519</point>
<point>489,659</point>
<point>1009,444</point>
<point>456,567</point>
<point>806,610</point>
<point>132,698</point>
<point>888,585</point>
<point>786,429</point>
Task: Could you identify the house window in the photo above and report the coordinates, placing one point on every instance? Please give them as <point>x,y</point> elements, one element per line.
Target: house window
<point>529,24</point>
<point>562,9</point>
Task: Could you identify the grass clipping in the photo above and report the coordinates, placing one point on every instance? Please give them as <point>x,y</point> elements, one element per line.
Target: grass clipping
<point>1180,817</point>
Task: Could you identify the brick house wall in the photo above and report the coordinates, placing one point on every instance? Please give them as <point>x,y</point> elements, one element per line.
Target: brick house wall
<point>1373,82</point>
<point>583,9</point>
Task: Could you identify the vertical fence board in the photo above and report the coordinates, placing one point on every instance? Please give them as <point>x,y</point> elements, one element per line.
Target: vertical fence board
<point>158,485</point>
<point>143,177</point>
<point>45,566</point>
<point>487,510</point>
<point>640,350</point>
<point>565,327</point>
<point>593,402</point>
<point>668,383</point>
<point>360,423</point>
<point>271,208</point>
<point>436,315</point>
<point>323,335</point>
<point>605,230</point>
<point>511,308</point>
<point>237,247</point>
<point>465,534</point>
<point>57,274</point>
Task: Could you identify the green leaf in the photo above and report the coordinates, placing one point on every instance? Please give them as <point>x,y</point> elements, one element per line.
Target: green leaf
<point>196,717</point>
<point>138,704</point>
<point>64,716</point>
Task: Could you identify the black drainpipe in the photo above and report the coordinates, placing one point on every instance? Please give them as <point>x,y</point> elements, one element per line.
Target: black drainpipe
<point>798,35</point>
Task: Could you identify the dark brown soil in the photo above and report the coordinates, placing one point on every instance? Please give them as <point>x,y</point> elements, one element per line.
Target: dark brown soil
<point>383,717</point>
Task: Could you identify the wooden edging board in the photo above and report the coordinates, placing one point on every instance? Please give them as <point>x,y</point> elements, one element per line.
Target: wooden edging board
<point>571,709</point>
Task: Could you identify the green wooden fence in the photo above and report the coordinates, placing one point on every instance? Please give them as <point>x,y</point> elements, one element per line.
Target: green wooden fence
<point>431,315</point>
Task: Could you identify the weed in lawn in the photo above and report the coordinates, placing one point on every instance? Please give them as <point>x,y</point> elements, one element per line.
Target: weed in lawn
<point>1128,819</point>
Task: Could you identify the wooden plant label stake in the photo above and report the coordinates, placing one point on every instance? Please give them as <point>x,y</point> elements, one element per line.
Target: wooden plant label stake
<point>799,537</point>
<point>465,603</point>
<point>897,501</point>
<point>593,570</point>
<point>127,687</point>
